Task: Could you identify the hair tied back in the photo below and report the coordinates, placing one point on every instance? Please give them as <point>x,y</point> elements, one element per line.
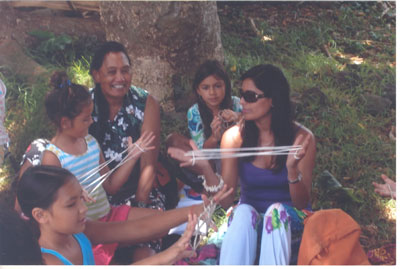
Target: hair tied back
<point>67,83</point>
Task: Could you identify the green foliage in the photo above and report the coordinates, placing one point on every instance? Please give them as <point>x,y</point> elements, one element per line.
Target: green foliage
<point>352,145</point>
<point>60,50</point>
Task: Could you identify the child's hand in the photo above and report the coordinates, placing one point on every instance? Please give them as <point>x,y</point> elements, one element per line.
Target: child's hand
<point>187,161</point>
<point>216,128</point>
<point>181,249</point>
<point>229,115</point>
<point>143,144</point>
<point>86,197</point>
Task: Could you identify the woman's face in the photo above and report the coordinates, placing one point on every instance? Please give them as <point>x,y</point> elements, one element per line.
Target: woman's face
<point>67,215</point>
<point>114,76</point>
<point>258,109</point>
<point>212,91</point>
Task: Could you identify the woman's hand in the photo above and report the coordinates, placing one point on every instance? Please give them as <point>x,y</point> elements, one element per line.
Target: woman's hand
<point>143,144</point>
<point>219,196</point>
<point>294,159</point>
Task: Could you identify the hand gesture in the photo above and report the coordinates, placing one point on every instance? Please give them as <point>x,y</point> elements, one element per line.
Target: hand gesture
<point>216,128</point>
<point>86,197</point>
<point>388,189</point>
<point>294,159</point>
<point>143,144</point>
<point>181,249</point>
<point>229,115</point>
<point>188,161</point>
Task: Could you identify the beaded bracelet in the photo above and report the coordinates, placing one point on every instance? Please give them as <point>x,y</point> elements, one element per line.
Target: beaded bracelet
<point>213,188</point>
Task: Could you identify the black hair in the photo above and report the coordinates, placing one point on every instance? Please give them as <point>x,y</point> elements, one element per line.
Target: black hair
<point>101,102</point>
<point>209,68</point>
<point>273,83</point>
<point>18,245</point>
<point>66,99</point>
<point>38,187</point>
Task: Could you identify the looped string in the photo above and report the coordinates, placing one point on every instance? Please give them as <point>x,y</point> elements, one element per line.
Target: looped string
<point>206,217</point>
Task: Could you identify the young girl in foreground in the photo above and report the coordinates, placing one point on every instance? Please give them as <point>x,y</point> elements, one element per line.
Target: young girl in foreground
<point>69,107</point>
<point>52,198</point>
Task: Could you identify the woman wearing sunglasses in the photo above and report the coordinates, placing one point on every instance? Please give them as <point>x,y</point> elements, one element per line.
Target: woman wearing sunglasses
<point>266,227</point>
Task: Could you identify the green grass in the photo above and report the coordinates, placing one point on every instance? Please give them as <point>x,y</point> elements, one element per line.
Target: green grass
<point>315,47</point>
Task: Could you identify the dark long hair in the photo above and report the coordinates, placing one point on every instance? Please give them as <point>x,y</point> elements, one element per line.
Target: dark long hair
<point>101,104</point>
<point>66,99</point>
<point>273,83</point>
<point>38,187</point>
<point>208,68</point>
<point>18,245</point>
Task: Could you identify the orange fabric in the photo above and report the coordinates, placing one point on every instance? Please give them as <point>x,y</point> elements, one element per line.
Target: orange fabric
<point>331,237</point>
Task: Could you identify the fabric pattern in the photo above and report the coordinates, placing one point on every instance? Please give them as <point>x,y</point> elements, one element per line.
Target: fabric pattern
<point>79,165</point>
<point>86,248</point>
<point>195,124</point>
<point>34,152</point>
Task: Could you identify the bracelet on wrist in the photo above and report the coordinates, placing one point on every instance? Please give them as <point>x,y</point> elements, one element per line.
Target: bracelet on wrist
<point>298,179</point>
<point>213,188</point>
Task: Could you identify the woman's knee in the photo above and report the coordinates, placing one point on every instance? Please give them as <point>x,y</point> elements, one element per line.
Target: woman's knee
<point>242,214</point>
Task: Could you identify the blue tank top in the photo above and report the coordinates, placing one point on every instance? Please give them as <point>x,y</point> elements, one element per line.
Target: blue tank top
<point>262,187</point>
<point>86,248</point>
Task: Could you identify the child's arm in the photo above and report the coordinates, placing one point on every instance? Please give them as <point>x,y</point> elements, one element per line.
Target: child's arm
<point>121,175</point>
<point>146,228</point>
<point>177,251</point>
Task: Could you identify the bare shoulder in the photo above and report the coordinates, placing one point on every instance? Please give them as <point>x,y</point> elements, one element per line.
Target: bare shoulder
<point>232,138</point>
<point>49,158</point>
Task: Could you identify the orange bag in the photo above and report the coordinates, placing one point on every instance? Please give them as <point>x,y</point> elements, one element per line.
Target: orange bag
<point>331,237</point>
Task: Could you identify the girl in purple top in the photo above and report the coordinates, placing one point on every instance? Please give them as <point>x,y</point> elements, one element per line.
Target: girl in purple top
<point>274,189</point>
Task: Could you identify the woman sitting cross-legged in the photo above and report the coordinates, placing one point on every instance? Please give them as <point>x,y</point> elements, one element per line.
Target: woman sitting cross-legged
<point>266,226</point>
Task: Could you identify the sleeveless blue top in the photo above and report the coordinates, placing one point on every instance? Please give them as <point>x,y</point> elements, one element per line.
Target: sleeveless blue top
<point>86,248</point>
<point>262,187</point>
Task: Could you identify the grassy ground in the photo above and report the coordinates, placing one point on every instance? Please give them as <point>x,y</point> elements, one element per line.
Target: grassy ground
<point>333,55</point>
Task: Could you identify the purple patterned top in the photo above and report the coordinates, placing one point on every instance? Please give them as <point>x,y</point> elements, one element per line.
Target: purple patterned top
<point>262,187</point>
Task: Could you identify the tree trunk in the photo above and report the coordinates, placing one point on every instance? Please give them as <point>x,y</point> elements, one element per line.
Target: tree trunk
<point>166,41</point>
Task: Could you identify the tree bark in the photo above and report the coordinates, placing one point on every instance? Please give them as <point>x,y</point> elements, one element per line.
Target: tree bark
<point>166,41</point>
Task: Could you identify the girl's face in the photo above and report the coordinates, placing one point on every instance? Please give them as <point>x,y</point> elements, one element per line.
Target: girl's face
<point>79,126</point>
<point>212,91</point>
<point>67,215</point>
<point>258,109</point>
<point>114,76</point>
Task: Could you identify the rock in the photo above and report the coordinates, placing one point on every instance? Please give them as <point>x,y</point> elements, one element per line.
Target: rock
<point>314,95</point>
<point>389,92</point>
<point>376,104</point>
<point>12,57</point>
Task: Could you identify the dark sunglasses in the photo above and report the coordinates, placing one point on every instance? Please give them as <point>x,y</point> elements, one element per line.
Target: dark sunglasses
<point>250,96</point>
